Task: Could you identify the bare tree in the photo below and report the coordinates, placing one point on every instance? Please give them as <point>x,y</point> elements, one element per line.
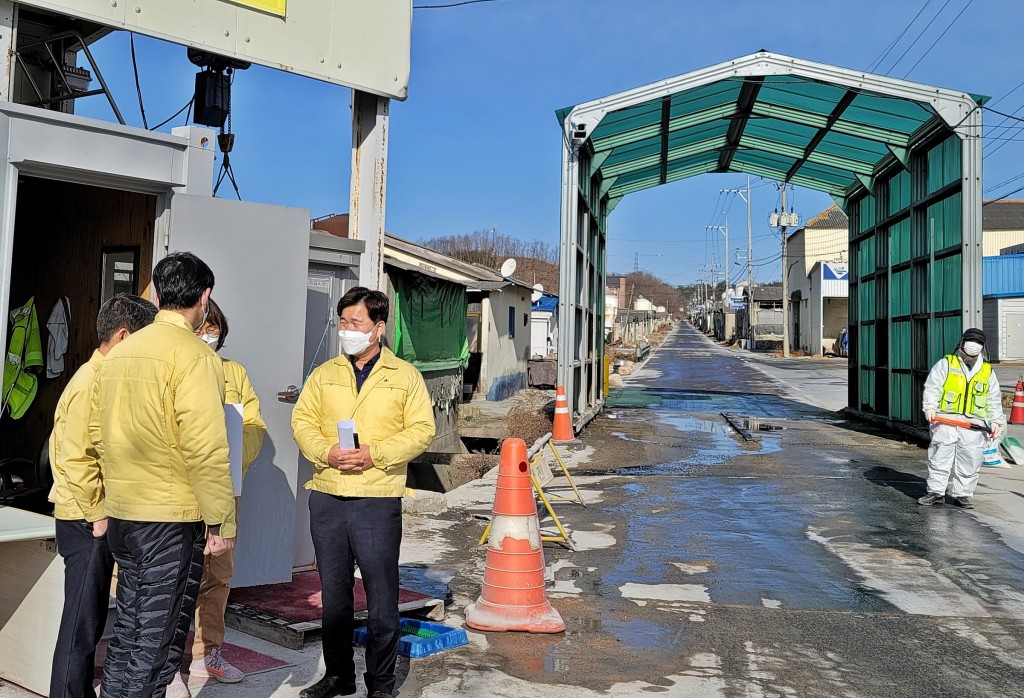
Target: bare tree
<point>536,261</point>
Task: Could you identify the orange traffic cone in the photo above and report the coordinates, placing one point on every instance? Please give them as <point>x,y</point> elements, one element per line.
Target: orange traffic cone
<point>513,596</point>
<point>561,430</point>
<point>1017,413</point>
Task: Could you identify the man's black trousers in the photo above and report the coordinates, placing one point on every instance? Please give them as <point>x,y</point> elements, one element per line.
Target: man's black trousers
<point>88,567</point>
<point>160,566</point>
<point>364,531</point>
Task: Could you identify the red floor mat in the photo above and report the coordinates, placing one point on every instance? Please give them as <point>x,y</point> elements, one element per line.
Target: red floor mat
<point>299,601</point>
<point>249,661</point>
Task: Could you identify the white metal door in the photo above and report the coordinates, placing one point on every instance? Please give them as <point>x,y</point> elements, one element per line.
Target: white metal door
<point>1014,337</point>
<point>258,255</point>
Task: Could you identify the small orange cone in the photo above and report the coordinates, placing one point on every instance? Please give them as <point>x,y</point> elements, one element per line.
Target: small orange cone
<point>561,430</point>
<point>513,596</point>
<point>1017,413</point>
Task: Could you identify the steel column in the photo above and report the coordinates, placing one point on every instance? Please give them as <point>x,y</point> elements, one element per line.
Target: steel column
<point>970,176</point>
<point>368,194</point>
<point>567,300</point>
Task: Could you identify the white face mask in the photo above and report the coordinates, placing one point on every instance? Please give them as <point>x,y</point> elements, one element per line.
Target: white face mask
<point>972,348</point>
<point>211,339</point>
<point>354,342</point>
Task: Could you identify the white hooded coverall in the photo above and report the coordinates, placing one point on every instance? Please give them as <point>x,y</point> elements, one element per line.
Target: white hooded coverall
<point>954,448</point>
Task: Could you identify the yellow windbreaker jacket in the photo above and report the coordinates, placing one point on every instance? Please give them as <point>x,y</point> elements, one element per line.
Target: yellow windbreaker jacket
<point>393,416</point>
<point>158,428</point>
<point>238,389</point>
<point>83,481</point>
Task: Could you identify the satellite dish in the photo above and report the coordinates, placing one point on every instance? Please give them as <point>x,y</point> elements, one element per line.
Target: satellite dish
<point>538,292</point>
<point>508,267</point>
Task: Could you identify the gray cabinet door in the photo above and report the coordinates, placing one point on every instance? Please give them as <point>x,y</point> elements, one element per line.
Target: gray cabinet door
<point>258,254</point>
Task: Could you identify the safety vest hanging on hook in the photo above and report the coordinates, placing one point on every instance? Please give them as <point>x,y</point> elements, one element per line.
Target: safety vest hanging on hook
<point>23,360</point>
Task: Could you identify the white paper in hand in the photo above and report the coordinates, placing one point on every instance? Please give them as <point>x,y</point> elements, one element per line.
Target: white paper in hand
<point>347,434</point>
<point>233,416</point>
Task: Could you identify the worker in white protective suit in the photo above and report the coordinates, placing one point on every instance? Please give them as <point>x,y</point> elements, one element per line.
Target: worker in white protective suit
<point>961,387</point>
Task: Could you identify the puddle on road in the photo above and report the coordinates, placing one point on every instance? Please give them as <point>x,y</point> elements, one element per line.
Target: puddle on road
<point>715,443</point>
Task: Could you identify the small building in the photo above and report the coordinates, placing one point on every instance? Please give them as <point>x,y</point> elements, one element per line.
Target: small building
<point>614,299</point>
<point>1002,226</point>
<point>765,324</point>
<point>818,282</point>
<point>818,276</point>
<point>497,323</point>
<point>544,327</point>
<point>828,307</point>
<point>1003,306</point>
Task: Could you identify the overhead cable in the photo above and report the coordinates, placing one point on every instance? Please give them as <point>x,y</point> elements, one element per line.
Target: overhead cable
<point>881,58</point>
<point>938,39</point>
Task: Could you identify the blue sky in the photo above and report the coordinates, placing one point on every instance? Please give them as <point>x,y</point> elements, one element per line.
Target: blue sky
<point>477,143</point>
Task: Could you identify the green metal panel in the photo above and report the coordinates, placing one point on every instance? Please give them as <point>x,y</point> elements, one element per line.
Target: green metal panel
<point>901,397</point>
<point>899,344</point>
<point>900,296</point>
<point>866,299</point>
<point>947,284</point>
<point>867,256</point>
<point>866,215</point>
<point>867,389</point>
<point>943,164</point>
<point>899,193</point>
<point>899,242</point>
<point>946,333</point>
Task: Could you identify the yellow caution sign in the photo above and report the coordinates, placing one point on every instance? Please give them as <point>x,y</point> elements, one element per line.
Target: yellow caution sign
<point>276,7</point>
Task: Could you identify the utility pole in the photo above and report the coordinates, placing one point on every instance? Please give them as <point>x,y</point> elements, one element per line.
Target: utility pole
<point>751,321</point>
<point>751,311</point>
<point>726,275</point>
<point>785,276</point>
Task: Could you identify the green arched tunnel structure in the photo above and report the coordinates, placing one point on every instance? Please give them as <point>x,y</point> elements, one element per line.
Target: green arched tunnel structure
<point>902,159</point>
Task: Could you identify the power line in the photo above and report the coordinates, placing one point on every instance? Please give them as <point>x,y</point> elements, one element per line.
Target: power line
<point>1011,180</point>
<point>1004,196</point>
<point>138,87</point>
<point>918,38</point>
<point>450,4</point>
<point>948,27</point>
<point>188,105</point>
<point>878,61</point>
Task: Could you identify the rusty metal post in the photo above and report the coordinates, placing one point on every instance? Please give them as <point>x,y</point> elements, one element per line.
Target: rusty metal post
<point>369,183</point>
<point>8,44</point>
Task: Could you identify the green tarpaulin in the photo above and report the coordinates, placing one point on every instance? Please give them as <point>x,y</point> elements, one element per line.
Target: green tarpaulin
<point>430,321</point>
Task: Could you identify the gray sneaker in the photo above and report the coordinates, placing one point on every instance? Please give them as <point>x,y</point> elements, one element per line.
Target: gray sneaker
<point>931,499</point>
<point>963,502</point>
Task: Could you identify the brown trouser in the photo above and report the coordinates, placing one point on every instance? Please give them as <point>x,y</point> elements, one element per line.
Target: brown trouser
<point>212,602</point>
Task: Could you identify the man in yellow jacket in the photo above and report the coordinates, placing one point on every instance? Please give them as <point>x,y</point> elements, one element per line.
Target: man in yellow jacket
<point>356,501</point>
<point>212,602</point>
<point>88,565</point>
<point>159,430</point>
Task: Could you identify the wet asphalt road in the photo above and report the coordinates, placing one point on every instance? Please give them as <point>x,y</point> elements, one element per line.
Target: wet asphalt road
<point>797,564</point>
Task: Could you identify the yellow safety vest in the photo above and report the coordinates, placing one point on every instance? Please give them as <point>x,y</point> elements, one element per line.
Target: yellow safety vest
<point>24,353</point>
<point>961,397</point>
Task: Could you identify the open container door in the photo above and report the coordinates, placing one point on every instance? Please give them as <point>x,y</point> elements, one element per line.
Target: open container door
<point>258,255</point>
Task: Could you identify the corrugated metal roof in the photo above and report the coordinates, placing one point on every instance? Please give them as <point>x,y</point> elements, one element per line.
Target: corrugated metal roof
<point>1007,214</point>
<point>767,293</point>
<point>765,114</point>
<point>1002,276</point>
<point>392,262</point>
<point>831,217</point>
